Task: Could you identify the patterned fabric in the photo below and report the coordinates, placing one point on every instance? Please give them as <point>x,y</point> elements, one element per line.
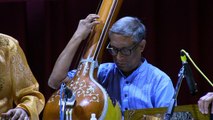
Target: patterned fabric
<point>17,83</point>
<point>146,87</point>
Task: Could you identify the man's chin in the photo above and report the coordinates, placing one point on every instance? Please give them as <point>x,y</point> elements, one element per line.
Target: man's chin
<point>123,68</point>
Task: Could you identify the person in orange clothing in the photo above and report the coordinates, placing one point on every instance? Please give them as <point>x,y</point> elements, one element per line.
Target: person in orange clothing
<point>18,85</point>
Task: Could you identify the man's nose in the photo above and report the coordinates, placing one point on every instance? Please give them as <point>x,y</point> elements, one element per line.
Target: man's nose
<point>119,55</point>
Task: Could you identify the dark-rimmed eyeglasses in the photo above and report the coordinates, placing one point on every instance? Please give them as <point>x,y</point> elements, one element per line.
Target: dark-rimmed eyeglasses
<point>124,51</point>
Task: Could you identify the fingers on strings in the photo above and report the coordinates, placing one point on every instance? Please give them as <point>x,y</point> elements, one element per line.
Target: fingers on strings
<point>92,19</point>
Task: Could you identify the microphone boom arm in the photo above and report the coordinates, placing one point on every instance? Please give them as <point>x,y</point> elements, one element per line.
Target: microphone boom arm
<point>170,109</point>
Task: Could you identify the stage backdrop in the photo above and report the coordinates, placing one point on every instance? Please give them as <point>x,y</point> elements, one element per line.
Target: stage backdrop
<point>43,28</point>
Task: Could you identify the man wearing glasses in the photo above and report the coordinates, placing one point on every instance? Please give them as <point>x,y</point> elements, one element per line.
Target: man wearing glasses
<point>131,80</point>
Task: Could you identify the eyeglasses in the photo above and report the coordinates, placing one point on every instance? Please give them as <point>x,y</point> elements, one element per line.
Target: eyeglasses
<point>124,51</point>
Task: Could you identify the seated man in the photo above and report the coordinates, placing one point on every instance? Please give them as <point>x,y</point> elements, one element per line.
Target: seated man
<point>130,79</point>
<point>18,86</point>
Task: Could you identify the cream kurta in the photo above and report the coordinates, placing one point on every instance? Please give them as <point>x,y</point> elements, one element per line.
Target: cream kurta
<point>17,84</point>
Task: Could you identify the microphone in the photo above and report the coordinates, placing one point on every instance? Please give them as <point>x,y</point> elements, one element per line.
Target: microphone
<point>68,92</point>
<point>188,74</point>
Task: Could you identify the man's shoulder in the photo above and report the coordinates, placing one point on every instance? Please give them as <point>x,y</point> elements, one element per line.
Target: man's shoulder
<point>155,71</point>
<point>7,41</point>
<point>104,67</point>
<point>107,66</point>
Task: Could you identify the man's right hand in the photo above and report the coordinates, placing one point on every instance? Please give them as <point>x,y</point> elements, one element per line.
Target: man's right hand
<point>85,25</point>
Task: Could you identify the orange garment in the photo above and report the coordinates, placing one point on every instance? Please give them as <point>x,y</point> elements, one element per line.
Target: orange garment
<point>17,83</point>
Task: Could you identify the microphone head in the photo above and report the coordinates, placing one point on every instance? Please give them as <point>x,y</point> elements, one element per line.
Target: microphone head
<point>68,92</point>
<point>183,56</point>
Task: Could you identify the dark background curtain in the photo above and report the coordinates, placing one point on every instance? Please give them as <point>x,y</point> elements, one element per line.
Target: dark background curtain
<point>44,27</point>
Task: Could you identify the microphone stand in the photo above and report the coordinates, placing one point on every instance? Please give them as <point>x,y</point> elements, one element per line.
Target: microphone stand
<point>170,109</point>
<point>61,102</point>
<point>67,102</point>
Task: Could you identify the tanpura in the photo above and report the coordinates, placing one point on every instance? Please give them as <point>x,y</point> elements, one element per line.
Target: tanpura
<point>89,98</point>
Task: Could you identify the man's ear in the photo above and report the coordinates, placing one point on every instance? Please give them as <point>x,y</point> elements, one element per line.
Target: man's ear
<point>142,45</point>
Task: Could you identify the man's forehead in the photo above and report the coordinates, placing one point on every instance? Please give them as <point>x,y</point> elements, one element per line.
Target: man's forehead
<point>122,45</point>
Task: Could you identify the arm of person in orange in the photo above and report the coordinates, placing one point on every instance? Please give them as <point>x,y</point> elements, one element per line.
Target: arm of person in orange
<point>19,85</point>
<point>205,102</point>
